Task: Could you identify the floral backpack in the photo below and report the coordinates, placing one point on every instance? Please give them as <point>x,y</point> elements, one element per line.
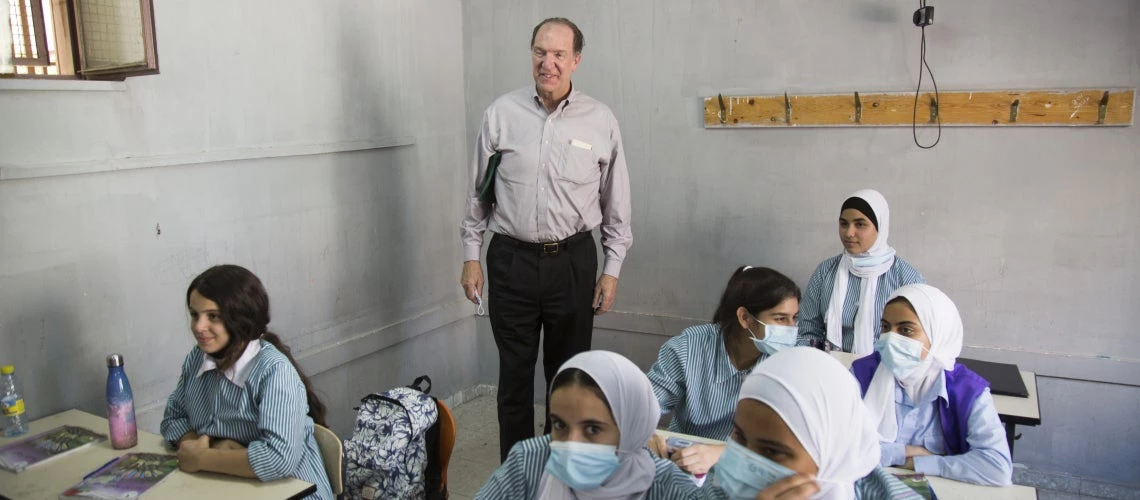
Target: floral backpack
<point>393,453</point>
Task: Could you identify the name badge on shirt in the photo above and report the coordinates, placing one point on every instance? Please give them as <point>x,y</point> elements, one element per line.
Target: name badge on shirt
<point>581,144</point>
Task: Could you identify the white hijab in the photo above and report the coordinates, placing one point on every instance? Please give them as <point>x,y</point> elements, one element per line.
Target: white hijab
<point>819,401</point>
<point>867,266</point>
<point>636,412</point>
<point>943,325</point>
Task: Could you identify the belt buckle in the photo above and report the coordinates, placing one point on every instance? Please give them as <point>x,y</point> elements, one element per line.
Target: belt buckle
<point>550,248</point>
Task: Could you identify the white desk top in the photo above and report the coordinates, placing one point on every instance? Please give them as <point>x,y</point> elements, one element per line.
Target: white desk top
<point>47,481</point>
<point>946,489</point>
<point>1023,411</point>
<point>949,489</point>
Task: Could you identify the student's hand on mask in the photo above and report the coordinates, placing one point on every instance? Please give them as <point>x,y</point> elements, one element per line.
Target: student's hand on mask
<point>190,453</point>
<point>658,446</point>
<point>699,458</point>
<point>798,486</point>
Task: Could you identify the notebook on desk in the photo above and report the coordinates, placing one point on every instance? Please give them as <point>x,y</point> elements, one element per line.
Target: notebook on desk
<point>1005,379</point>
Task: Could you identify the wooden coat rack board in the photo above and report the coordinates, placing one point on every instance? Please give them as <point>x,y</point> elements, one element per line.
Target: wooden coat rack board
<point>960,108</point>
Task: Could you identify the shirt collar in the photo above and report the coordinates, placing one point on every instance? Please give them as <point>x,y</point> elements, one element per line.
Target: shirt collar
<point>939,389</point>
<point>724,367</point>
<point>562,105</point>
<point>935,392</point>
<point>240,370</point>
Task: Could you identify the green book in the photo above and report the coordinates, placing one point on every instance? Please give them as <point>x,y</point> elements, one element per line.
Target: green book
<point>919,484</point>
<point>487,189</point>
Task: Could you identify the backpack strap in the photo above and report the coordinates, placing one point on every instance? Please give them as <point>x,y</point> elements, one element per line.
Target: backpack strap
<point>418,384</point>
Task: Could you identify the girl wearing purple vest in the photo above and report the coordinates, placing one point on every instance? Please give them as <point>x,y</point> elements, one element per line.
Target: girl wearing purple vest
<point>934,415</point>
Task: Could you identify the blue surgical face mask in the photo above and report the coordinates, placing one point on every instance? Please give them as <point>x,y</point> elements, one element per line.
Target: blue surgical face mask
<point>743,474</point>
<point>581,466</point>
<point>900,354</point>
<point>776,338</point>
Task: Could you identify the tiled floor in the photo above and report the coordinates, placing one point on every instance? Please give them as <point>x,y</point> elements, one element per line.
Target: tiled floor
<point>476,453</point>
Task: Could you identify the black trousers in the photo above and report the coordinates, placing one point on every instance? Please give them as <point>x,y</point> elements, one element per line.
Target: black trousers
<point>532,289</point>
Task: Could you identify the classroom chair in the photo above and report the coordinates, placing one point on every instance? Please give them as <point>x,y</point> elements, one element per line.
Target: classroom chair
<point>332,453</point>
<point>446,441</point>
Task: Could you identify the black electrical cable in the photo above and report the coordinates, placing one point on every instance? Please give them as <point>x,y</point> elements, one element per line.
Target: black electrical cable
<point>917,91</point>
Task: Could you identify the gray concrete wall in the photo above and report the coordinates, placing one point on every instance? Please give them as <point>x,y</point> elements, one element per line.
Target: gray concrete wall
<point>1033,231</point>
<point>260,144</point>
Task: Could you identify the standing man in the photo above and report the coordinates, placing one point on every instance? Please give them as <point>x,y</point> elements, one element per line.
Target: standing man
<point>562,174</point>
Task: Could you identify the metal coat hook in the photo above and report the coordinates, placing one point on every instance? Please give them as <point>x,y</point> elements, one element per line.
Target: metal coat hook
<point>787,110</point>
<point>1013,110</point>
<point>858,109</point>
<point>723,115</point>
<point>1102,112</point>
<point>933,110</point>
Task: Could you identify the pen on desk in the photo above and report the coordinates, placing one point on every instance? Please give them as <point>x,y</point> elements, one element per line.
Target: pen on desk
<point>101,467</point>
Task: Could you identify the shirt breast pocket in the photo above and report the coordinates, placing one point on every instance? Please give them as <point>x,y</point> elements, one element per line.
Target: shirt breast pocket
<point>581,163</point>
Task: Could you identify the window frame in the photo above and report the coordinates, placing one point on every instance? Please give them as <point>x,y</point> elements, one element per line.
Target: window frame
<point>71,57</point>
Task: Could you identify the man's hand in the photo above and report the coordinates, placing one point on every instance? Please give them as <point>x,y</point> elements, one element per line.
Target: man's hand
<point>698,458</point>
<point>799,486</point>
<point>472,280</point>
<point>604,292</point>
<point>190,453</point>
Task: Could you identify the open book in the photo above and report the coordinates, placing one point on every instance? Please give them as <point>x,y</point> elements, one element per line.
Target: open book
<point>126,477</point>
<point>46,446</point>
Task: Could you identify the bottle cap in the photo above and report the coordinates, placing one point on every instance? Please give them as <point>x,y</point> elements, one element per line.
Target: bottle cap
<point>115,360</point>
<point>7,370</point>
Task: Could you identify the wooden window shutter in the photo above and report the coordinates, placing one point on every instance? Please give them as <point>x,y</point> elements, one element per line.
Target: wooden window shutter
<point>115,38</point>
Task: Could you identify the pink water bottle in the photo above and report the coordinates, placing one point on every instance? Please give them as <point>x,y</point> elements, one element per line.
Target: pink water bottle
<point>120,405</point>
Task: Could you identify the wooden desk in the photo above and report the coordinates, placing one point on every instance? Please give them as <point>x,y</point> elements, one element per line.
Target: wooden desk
<point>1012,411</point>
<point>47,481</point>
<point>946,489</point>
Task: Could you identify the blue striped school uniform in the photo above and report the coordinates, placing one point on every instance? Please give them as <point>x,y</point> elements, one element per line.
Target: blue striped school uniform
<point>813,308</point>
<point>518,477</point>
<point>269,415</point>
<point>695,381</point>
<point>878,485</point>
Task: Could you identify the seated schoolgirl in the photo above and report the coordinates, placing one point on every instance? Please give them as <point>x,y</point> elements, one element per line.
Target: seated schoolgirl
<point>602,412</point>
<point>847,292</point>
<point>801,432</point>
<point>241,406</point>
<point>933,415</point>
<point>698,373</point>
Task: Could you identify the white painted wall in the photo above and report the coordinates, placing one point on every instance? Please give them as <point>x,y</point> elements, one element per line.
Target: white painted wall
<point>358,249</point>
<point>1033,232</point>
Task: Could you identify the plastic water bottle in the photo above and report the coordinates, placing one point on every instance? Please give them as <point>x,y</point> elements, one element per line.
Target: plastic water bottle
<point>15,421</point>
<point>120,405</point>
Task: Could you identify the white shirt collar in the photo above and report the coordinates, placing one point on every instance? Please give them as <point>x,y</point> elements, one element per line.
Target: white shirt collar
<point>240,370</point>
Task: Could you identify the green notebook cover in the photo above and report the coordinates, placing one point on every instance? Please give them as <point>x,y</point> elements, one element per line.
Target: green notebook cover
<point>487,189</point>
<point>919,484</point>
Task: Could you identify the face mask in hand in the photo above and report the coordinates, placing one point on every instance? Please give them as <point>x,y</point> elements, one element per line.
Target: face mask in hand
<point>581,466</point>
<point>776,338</point>
<point>900,354</point>
<point>743,474</point>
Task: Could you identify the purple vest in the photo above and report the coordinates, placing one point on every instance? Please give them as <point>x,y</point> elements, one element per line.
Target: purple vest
<point>963,388</point>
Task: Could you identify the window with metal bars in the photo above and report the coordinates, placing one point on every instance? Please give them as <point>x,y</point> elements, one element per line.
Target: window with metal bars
<point>91,39</point>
